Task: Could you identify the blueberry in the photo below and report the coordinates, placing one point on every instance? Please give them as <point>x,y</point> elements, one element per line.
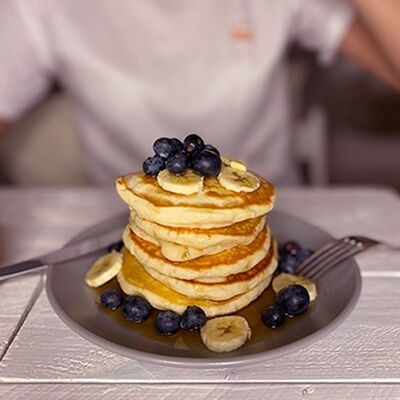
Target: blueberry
<point>117,246</point>
<point>291,256</point>
<point>111,298</point>
<point>167,322</point>
<point>178,163</point>
<point>303,254</point>
<point>206,163</point>
<point>212,149</point>
<point>273,316</point>
<point>293,299</point>
<point>193,318</point>
<point>153,165</point>
<point>193,143</point>
<point>288,263</point>
<point>165,147</point>
<point>136,309</point>
<point>291,247</point>
<point>178,144</point>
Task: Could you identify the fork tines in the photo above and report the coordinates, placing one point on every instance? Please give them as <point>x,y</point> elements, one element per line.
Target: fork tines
<point>330,255</point>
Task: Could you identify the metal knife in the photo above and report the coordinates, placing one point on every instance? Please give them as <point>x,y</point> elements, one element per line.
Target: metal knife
<point>70,252</point>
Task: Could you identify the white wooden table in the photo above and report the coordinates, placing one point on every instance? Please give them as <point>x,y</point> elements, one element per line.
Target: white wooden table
<point>41,358</point>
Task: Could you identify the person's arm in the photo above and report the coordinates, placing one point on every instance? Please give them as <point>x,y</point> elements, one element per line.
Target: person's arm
<point>382,20</point>
<point>373,39</point>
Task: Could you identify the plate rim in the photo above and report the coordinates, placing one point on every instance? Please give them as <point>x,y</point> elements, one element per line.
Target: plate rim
<point>176,361</point>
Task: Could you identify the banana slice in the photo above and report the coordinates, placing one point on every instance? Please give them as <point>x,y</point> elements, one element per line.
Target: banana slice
<point>104,269</point>
<point>238,181</point>
<point>284,280</point>
<point>238,165</point>
<point>188,183</point>
<point>235,164</point>
<point>225,160</point>
<point>225,334</point>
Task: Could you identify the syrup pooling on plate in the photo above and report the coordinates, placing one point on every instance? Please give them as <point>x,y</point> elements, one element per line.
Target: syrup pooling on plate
<point>187,340</point>
<point>197,245</point>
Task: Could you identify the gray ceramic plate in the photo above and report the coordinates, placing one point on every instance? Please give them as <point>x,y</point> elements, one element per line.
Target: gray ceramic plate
<point>76,304</point>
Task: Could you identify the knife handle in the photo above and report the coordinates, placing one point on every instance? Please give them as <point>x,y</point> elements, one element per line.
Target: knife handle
<point>20,268</point>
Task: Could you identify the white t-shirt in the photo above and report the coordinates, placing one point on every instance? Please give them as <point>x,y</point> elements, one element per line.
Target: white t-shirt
<point>137,70</point>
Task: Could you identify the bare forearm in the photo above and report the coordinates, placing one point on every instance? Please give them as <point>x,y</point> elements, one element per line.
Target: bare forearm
<point>382,19</point>
<point>359,46</point>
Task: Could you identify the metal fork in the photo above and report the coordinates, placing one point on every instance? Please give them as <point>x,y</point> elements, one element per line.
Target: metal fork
<point>334,253</point>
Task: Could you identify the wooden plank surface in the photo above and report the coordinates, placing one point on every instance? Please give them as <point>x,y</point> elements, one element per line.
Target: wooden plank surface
<point>53,216</point>
<point>35,221</point>
<point>16,298</point>
<point>32,222</point>
<point>340,211</point>
<point>201,392</point>
<point>364,348</point>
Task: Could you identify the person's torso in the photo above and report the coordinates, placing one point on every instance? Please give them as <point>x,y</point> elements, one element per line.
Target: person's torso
<point>138,70</point>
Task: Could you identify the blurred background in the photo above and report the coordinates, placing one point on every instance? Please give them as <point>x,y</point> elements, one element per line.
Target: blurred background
<point>347,131</point>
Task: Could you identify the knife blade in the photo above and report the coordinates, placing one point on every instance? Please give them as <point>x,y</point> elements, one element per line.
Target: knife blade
<point>68,253</point>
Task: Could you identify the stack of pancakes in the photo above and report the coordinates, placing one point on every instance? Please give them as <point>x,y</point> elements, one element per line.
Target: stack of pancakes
<point>212,249</point>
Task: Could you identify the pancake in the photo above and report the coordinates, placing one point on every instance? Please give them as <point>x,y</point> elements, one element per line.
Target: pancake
<point>134,280</point>
<point>213,207</point>
<point>178,252</point>
<point>232,285</point>
<point>241,233</point>
<point>212,268</point>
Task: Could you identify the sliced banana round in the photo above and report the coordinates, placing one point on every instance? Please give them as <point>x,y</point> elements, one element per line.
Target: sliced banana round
<point>238,181</point>
<point>284,280</point>
<point>235,164</point>
<point>238,165</point>
<point>225,334</point>
<point>187,183</point>
<point>225,160</point>
<point>104,269</point>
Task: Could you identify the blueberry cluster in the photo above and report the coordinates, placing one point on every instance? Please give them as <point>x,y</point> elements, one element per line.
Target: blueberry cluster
<point>292,300</point>
<point>134,308</point>
<point>168,322</point>
<point>137,309</point>
<point>291,256</point>
<point>178,157</point>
